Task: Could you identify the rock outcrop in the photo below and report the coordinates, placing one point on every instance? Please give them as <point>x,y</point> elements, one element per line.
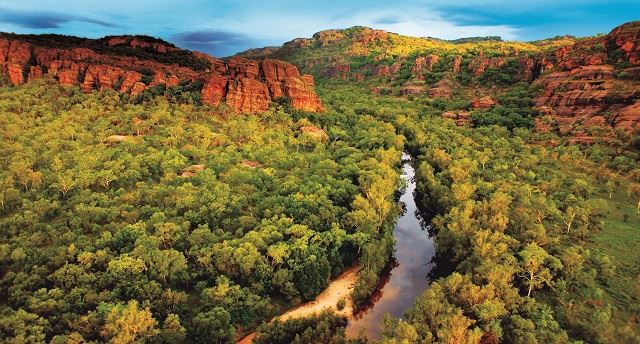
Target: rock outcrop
<point>327,37</point>
<point>442,89</point>
<point>338,71</point>
<point>192,170</point>
<point>242,84</point>
<point>459,117</point>
<point>135,42</point>
<point>457,64</point>
<point>413,87</point>
<point>483,103</point>
<point>593,83</point>
<point>423,63</point>
<point>250,86</point>
<point>384,70</point>
<point>314,133</point>
<point>479,64</point>
<point>627,39</point>
<point>250,163</point>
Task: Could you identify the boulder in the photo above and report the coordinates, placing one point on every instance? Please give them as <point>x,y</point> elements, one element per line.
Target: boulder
<point>395,67</point>
<point>118,139</point>
<point>192,170</point>
<point>314,132</point>
<point>460,117</point>
<point>382,70</point>
<point>483,103</point>
<point>250,163</point>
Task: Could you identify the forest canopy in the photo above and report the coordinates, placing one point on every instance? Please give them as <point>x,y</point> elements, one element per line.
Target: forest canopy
<point>165,221</point>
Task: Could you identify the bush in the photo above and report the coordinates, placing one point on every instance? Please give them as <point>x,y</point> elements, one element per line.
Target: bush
<point>341,304</point>
<point>505,75</point>
<point>326,327</point>
<point>515,109</point>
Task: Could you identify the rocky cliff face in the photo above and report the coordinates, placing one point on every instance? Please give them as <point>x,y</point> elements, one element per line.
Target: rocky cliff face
<point>584,82</point>
<point>594,82</point>
<point>249,86</point>
<point>244,85</point>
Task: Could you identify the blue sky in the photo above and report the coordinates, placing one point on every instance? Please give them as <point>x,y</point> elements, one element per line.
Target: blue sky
<point>223,27</point>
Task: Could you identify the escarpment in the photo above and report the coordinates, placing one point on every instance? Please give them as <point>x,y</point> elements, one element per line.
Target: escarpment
<point>133,64</point>
<point>595,82</point>
<point>583,82</point>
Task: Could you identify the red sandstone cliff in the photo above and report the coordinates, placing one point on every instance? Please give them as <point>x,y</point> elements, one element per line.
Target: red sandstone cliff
<point>595,82</point>
<point>242,84</point>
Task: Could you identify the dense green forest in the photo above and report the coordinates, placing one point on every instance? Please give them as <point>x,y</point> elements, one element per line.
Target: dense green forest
<point>535,243</point>
<point>128,221</point>
<point>158,219</point>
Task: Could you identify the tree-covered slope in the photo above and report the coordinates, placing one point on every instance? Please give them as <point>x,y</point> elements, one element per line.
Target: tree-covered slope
<point>535,243</point>
<point>166,222</point>
<point>585,88</point>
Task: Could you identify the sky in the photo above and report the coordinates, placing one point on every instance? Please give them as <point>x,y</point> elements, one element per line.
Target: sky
<point>224,27</point>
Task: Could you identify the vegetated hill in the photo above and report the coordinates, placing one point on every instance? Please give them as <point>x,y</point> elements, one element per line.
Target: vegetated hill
<point>162,222</point>
<point>589,87</point>
<point>139,64</point>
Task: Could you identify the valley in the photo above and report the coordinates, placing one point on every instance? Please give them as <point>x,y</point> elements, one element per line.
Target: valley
<point>449,191</point>
<point>410,267</point>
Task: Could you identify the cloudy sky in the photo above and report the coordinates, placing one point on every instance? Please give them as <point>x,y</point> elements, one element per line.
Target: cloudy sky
<point>223,27</point>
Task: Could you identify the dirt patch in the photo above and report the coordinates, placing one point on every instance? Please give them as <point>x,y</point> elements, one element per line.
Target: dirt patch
<point>248,339</point>
<point>339,288</point>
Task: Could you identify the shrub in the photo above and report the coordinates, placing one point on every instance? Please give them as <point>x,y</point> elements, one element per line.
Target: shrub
<point>320,328</point>
<point>515,109</point>
<point>341,304</point>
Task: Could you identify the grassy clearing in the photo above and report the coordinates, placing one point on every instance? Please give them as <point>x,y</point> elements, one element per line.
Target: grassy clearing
<point>620,240</point>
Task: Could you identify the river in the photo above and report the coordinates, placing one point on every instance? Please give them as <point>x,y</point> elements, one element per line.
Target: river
<point>408,279</point>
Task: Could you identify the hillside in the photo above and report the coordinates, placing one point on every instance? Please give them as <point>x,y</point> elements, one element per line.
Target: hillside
<point>523,149</point>
<point>139,65</point>
<point>588,87</point>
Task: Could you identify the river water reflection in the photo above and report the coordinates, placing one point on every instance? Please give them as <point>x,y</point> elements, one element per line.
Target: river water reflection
<point>408,279</point>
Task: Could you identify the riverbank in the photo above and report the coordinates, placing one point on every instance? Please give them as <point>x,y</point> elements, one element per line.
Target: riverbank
<point>407,279</point>
<point>400,284</point>
<point>339,288</point>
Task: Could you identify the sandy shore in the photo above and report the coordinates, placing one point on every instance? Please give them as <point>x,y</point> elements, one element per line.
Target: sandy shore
<point>338,288</point>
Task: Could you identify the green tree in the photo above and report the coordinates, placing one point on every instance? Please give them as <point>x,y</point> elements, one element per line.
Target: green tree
<point>212,326</point>
<point>129,324</point>
<point>538,267</point>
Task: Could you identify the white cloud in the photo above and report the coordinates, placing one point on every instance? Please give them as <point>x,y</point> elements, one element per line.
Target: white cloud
<point>269,23</point>
<point>428,23</point>
<point>281,25</point>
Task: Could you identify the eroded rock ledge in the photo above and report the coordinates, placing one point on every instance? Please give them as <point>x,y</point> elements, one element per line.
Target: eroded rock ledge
<point>244,85</point>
